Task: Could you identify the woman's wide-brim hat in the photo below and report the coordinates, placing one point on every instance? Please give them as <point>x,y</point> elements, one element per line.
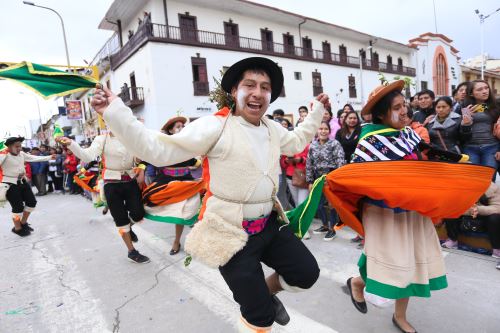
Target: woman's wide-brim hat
<point>174,120</point>
<point>233,74</point>
<point>13,139</point>
<point>378,93</point>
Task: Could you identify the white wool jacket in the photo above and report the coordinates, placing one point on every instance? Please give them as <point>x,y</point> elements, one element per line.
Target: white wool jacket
<point>117,158</point>
<point>244,168</point>
<point>13,165</point>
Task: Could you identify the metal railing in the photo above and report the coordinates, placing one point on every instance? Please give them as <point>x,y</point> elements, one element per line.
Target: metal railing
<point>111,46</point>
<point>132,96</point>
<point>186,36</point>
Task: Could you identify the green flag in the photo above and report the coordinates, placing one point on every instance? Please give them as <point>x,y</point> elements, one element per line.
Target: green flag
<point>57,131</point>
<point>46,81</point>
<point>301,217</point>
<point>2,145</point>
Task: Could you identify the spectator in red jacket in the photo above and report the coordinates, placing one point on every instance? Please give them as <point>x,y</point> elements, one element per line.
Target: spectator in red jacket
<point>289,165</point>
<point>27,167</point>
<point>70,165</point>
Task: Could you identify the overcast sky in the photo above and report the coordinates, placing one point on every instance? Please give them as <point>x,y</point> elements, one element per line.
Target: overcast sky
<point>34,34</point>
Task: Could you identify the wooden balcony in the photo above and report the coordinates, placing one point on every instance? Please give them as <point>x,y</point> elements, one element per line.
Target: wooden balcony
<point>201,88</point>
<point>175,35</point>
<point>132,96</point>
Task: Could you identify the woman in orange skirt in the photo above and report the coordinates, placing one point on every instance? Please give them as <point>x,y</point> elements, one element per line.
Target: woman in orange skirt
<point>174,195</point>
<point>402,255</point>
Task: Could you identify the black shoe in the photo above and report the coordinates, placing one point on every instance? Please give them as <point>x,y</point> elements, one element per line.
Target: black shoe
<point>399,327</point>
<point>174,252</point>
<point>21,232</point>
<point>135,256</point>
<point>27,226</point>
<point>133,236</point>
<point>361,306</point>
<point>330,235</point>
<point>281,318</point>
<point>321,230</point>
<point>105,210</point>
<point>356,239</point>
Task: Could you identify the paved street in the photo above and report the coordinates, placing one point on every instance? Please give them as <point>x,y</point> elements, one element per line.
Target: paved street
<point>72,275</point>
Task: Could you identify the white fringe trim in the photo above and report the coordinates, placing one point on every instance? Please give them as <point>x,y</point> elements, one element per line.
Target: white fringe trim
<point>29,209</point>
<point>288,287</point>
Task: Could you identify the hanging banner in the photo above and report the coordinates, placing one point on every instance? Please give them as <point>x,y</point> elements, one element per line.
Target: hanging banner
<point>74,109</point>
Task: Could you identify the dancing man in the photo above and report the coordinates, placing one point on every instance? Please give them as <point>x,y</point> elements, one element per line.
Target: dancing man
<point>239,225</point>
<point>121,185</point>
<point>13,176</point>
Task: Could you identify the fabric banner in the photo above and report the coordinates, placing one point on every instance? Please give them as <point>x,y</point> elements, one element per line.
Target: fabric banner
<point>301,217</point>
<point>47,81</point>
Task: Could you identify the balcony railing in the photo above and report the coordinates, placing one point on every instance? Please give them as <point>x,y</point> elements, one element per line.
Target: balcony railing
<point>111,46</point>
<point>132,96</point>
<point>185,36</point>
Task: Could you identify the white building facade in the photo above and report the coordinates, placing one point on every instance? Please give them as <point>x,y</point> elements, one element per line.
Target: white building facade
<point>437,63</point>
<point>169,59</point>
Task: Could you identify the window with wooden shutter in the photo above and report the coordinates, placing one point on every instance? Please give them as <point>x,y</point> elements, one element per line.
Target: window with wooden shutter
<point>352,86</point>
<point>307,50</point>
<point>327,51</point>
<point>188,27</point>
<point>375,60</point>
<point>343,53</point>
<point>317,84</point>
<point>231,34</point>
<point>266,37</point>
<point>288,43</point>
<point>200,76</point>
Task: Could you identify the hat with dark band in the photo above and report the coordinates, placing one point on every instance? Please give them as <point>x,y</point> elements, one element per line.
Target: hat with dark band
<point>13,139</point>
<point>378,93</point>
<point>233,74</point>
<point>171,122</point>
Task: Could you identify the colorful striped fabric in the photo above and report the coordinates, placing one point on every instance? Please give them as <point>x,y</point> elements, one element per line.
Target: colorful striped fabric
<point>378,147</point>
<point>176,172</point>
<point>255,226</point>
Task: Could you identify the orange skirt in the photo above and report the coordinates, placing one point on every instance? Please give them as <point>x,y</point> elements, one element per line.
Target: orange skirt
<point>434,189</point>
<point>84,182</point>
<point>175,191</point>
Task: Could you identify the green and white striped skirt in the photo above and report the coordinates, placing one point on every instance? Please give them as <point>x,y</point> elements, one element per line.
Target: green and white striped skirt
<point>402,255</point>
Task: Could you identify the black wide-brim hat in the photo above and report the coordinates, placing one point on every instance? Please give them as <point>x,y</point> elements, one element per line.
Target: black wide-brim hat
<point>13,139</point>
<point>233,74</point>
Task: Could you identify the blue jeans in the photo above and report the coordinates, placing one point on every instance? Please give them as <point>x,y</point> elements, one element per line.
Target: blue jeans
<point>483,155</point>
<point>323,214</point>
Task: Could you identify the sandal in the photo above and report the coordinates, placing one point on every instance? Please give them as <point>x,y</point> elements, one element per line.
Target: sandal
<point>395,322</point>
<point>360,306</point>
<point>174,252</point>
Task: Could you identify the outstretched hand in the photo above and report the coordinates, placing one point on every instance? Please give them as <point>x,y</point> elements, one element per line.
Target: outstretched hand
<point>63,140</point>
<point>102,98</point>
<point>323,99</point>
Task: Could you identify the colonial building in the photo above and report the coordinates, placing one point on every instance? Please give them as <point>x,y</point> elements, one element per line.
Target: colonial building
<point>490,76</point>
<point>437,63</point>
<point>490,63</point>
<point>165,54</point>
